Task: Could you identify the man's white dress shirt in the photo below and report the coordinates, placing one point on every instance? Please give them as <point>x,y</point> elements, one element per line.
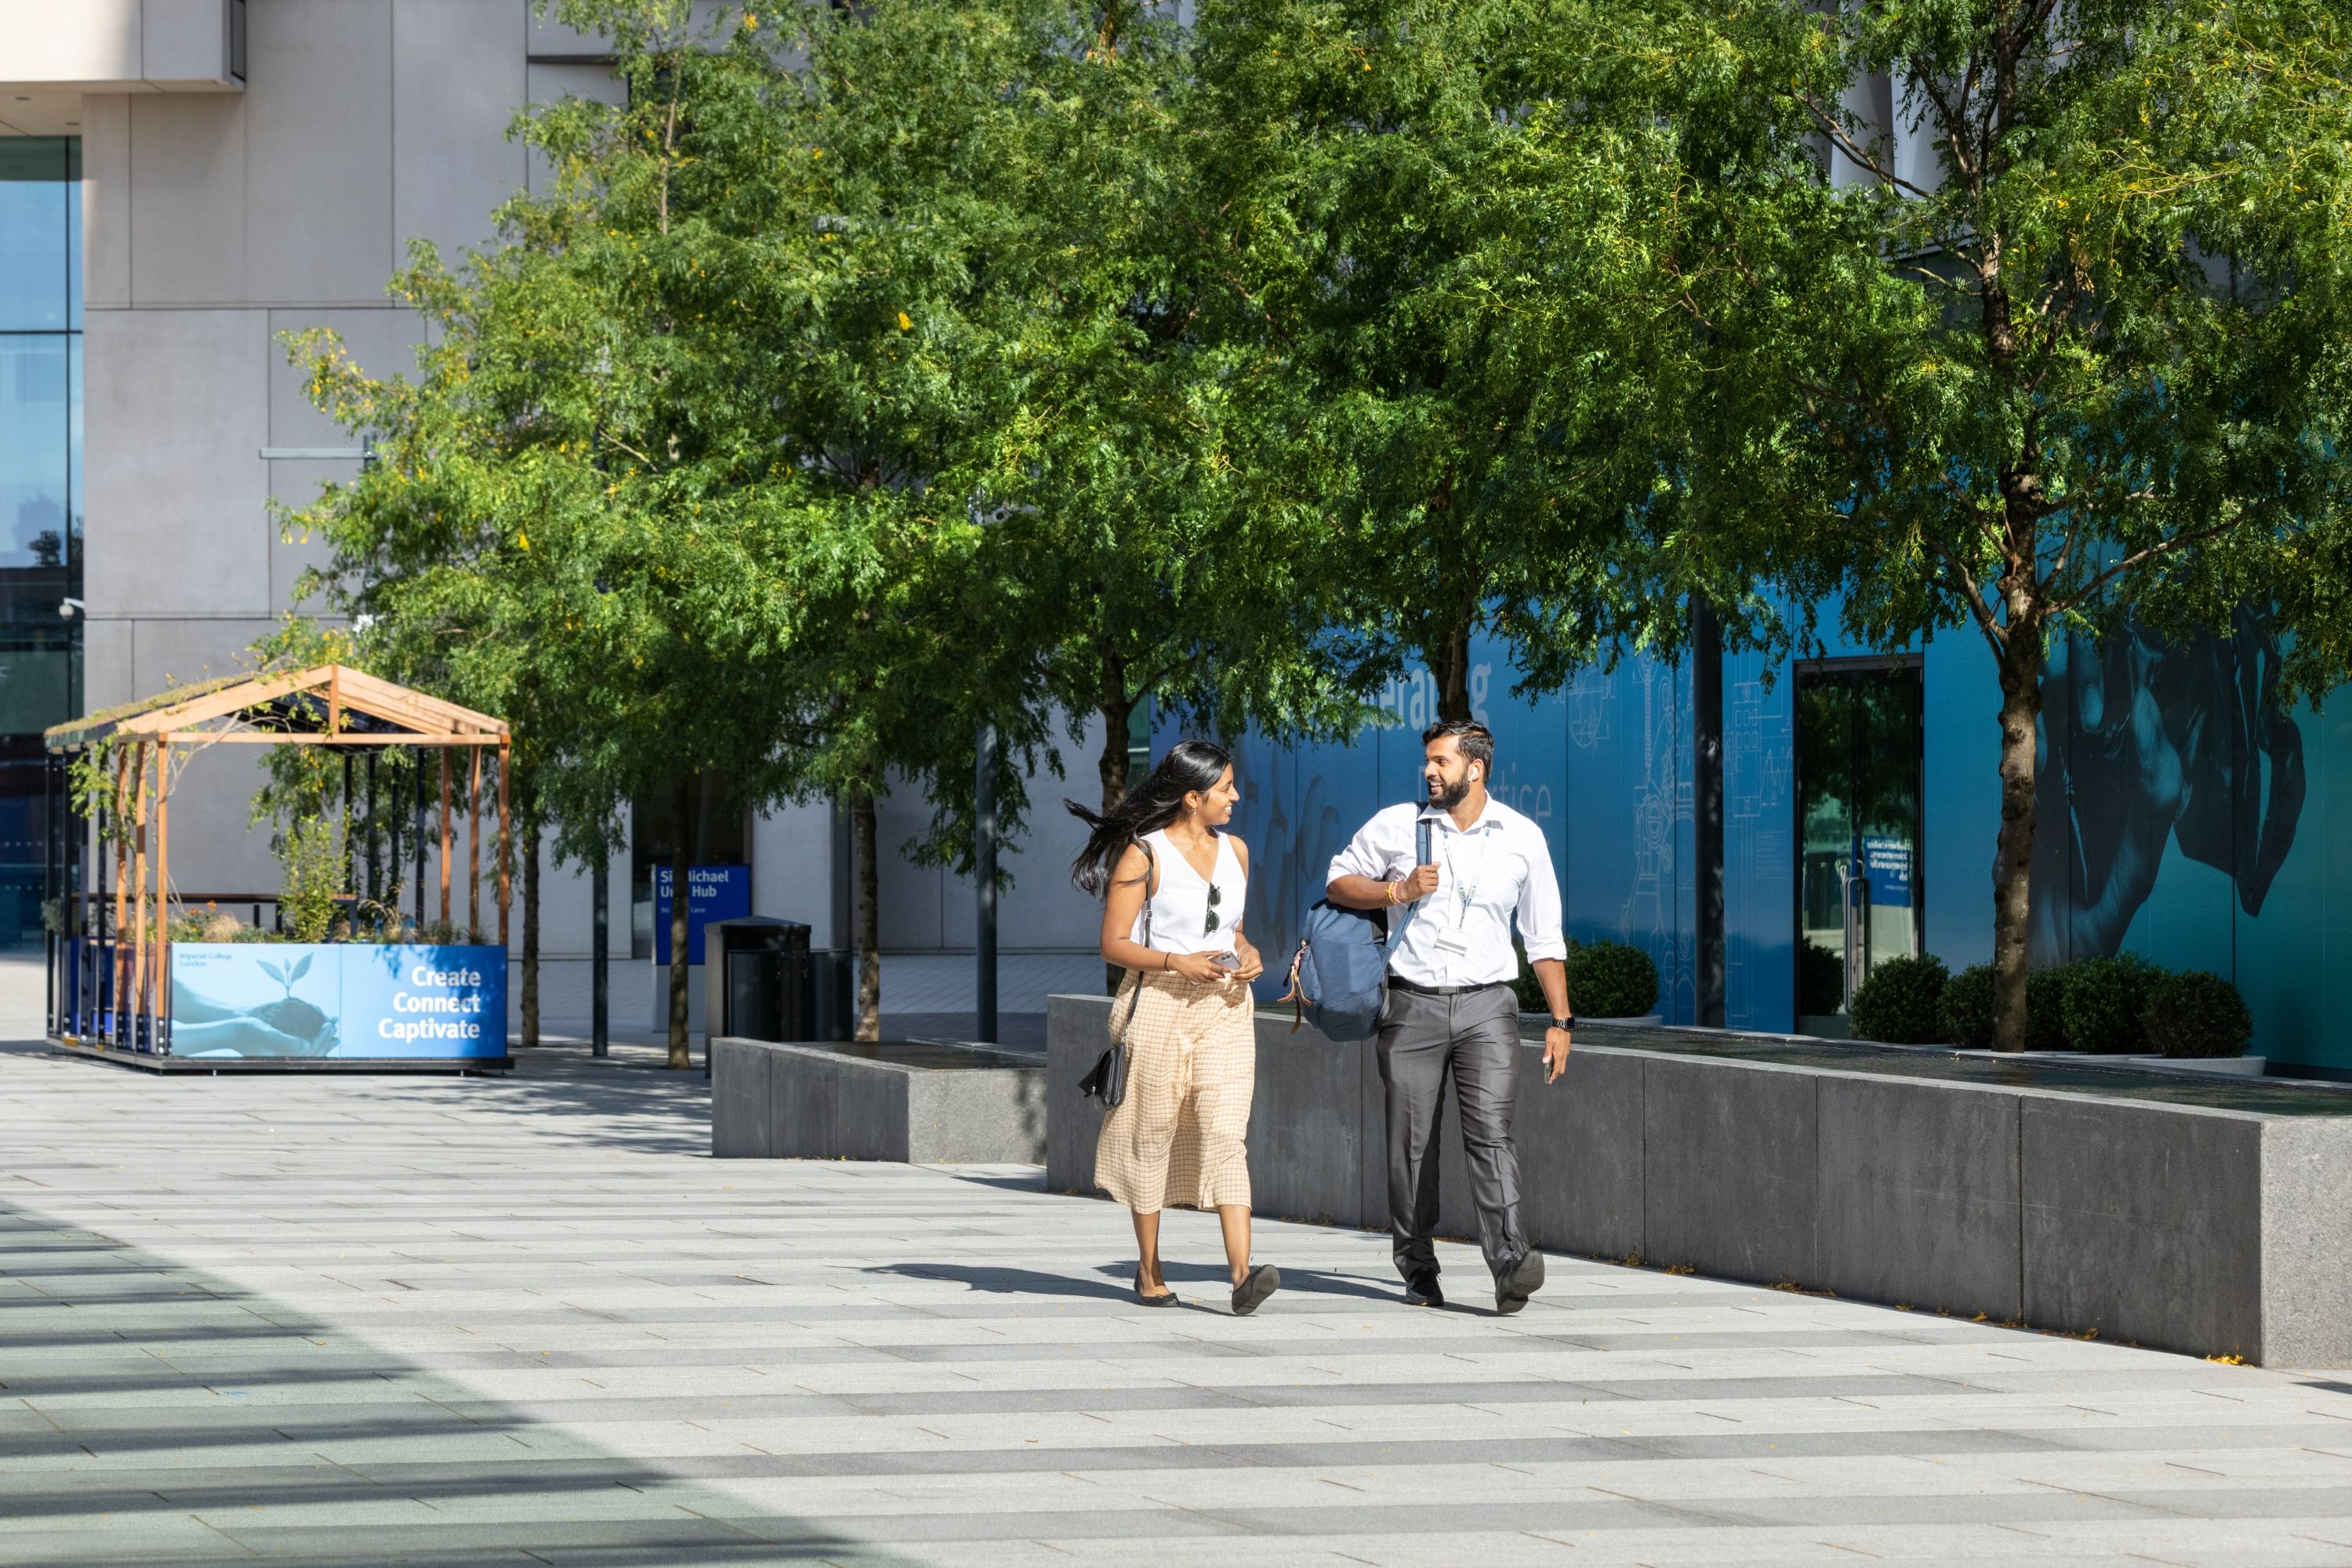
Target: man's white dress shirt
<point>1498,869</point>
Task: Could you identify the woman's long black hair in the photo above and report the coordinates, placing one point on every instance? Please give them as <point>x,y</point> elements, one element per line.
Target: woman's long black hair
<point>1189,766</point>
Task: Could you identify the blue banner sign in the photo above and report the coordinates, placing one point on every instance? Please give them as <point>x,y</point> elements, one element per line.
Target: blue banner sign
<point>345,1000</point>
<point>1888,861</point>
<point>713,893</point>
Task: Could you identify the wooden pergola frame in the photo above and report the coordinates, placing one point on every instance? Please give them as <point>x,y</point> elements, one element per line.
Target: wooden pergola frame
<point>327,705</point>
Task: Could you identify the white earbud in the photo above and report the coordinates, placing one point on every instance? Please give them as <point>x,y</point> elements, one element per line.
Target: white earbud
<point>1473,775</point>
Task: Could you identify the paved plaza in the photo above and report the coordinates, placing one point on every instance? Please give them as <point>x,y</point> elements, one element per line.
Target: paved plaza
<point>373,1320</point>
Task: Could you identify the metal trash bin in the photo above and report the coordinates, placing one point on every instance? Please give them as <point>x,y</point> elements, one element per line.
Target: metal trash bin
<point>755,977</point>
<point>834,975</point>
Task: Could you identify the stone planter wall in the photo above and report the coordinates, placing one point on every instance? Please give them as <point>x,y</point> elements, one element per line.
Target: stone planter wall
<point>2185,1227</point>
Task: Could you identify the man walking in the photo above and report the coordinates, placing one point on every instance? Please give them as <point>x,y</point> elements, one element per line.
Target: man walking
<point>1451,1009</point>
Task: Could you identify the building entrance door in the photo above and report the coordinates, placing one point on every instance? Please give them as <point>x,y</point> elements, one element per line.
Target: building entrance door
<point>1858,887</point>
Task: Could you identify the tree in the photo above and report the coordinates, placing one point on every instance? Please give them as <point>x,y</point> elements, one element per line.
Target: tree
<point>1442,216</point>
<point>575,514</point>
<point>2087,354</point>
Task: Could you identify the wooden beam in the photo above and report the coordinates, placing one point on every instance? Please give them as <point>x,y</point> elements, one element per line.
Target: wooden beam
<point>139,881</point>
<point>334,699</point>
<point>363,689</point>
<point>122,885</point>
<point>476,800</point>
<point>305,737</point>
<point>214,704</point>
<point>162,1007</point>
<point>444,837</point>
<point>506,848</point>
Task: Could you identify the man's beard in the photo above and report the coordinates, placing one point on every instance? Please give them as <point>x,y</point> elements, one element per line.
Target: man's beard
<point>1446,796</point>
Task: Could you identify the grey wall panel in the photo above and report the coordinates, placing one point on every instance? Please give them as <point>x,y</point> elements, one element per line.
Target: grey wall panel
<point>1918,1195</point>
<point>458,81</point>
<point>318,114</point>
<point>741,1094</point>
<point>381,339</point>
<point>187,225</point>
<point>792,869</point>
<point>1728,1169</point>
<point>1581,1152</point>
<point>1076,1029</point>
<point>177,491</point>
<point>1305,1135</point>
<point>106,664</point>
<point>549,82</point>
<point>186,42</point>
<point>106,201</point>
<point>295,484</point>
<point>2306,1241</point>
<point>803,1109</point>
<point>2143,1222</point>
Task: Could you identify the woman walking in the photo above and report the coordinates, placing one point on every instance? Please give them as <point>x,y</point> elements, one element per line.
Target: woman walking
<point>1172,883</point>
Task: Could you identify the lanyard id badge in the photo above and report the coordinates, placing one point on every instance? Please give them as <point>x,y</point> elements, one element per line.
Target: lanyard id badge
<point>1453,938</point>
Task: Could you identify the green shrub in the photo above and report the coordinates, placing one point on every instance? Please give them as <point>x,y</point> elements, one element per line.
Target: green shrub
<point>1611,980</point>
<point>1966,1012</point>
<point>1898,1002</point>
<point>2106,1003</point>
<point>2046,1009</point>
<point>311,850</point>
<point>1820,980</point>
<point>2197,1014</point>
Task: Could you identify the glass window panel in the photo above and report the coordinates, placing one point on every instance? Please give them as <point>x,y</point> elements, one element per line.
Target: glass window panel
<point>38,241</point>
<point>35,459</point>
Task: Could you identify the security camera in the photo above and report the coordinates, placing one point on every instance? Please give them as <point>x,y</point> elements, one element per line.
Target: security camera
<point>69,608</point>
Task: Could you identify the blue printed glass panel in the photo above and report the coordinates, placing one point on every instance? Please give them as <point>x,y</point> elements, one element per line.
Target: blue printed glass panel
<point>39,235</point>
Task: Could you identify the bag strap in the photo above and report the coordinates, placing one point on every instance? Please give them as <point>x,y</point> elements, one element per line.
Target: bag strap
<point>1150,867</point>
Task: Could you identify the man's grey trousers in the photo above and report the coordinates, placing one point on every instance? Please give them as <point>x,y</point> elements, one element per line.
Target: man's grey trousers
<point>1473,1037</point>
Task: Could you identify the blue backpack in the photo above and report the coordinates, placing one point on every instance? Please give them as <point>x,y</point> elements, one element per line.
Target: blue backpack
<point>1339,977</point>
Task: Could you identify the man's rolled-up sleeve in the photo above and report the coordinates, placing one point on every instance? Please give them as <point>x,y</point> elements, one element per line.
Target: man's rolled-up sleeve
<point>1539,911</point>
<point>1362,857</point>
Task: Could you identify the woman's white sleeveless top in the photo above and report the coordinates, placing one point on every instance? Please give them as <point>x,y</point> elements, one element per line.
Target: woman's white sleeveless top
<point>1179,910</point>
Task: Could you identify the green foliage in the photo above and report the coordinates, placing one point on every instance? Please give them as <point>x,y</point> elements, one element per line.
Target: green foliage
<point>2197,1014</point>
<point>311,852</point>
<point>1449,221</point>
<point>1611,980</point>
<point>1820,980</point>
<point>2106,1003</point>
<point>1899,1001</point>
<point>2046,1009</point>
<point>2090,360</point>
<point>1966,1010</point>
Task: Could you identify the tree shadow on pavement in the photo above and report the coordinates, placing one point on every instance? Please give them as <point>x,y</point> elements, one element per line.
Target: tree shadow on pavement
<point>165,1416</point>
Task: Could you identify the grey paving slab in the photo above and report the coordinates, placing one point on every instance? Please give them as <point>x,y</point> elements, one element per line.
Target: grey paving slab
<point>529,1319</point>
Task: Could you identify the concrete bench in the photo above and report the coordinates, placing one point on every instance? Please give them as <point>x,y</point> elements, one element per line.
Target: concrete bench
<point>891,1100</point>
<point>2210,1218</point>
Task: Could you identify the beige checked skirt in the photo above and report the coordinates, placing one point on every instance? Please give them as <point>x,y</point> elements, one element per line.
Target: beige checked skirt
<point>1177,1137</point>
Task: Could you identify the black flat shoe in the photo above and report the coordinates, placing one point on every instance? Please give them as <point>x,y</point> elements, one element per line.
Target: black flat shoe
<point>1256,1285</point>
<point>1165,1298</point>
<point>1523,1279</point>
<point>1422,1291</point>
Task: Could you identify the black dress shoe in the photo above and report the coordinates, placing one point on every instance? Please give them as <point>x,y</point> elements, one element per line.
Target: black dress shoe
<point>1256,1285</point>
<point>1422,1291</point>
<point>1521,1280</point>
<point>1165,1298</point>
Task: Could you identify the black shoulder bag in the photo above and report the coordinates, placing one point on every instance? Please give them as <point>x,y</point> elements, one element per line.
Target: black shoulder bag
<point>1107,1080</point>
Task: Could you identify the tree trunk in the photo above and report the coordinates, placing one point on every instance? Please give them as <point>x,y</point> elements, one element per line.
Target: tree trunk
<point>681,856</point>
<point>1116,712</point>
<point>1449,666</point>
<point>2012,865</point>
<point>867,918</point>
<point>527,821</point>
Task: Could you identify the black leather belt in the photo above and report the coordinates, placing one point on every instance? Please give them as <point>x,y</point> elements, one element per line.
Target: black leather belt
<point>1418,989</point>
